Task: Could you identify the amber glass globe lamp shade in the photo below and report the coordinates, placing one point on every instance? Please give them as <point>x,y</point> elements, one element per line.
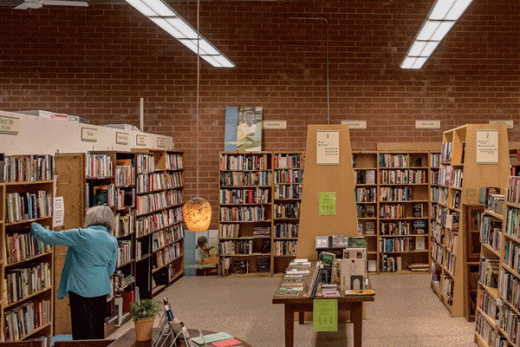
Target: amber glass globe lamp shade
<point>197,214</point>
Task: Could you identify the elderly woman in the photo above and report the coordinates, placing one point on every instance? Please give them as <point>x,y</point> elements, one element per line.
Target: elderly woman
<point>90,261</point>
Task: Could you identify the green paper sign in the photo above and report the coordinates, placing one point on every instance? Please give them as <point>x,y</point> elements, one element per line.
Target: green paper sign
<point>327,203</point>
<point>325,315</point>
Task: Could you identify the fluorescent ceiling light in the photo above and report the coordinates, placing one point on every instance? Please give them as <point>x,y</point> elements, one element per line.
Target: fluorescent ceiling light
<point>171,22</point>
<point>439,22</point>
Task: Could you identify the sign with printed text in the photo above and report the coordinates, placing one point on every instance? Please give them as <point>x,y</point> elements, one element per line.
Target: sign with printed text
<point>161,142</point>
<point>327,203</point>
<point>140,140</point>
<point>427,124</point>
<point>122,138</point>
<point>355,124</point>
<point>508,122</point>
<point>275,124</point>
<point>487,146</point>
<point>58,212</point>
<point>325,315</point>
<point>89,134</point>
<point>9,125</point>
<point>327,147</point>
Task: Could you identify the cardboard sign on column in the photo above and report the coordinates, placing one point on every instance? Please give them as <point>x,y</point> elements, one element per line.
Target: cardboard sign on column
<point>328,205</point>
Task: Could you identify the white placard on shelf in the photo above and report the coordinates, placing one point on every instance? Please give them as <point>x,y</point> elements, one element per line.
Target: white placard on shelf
<point>274,124</point>
<point>427,124</point>
<point>161,142</point>
<point>327,147</point>
<point>487,146</point>
<point>508,122</point>
<point>355,124</point>
<point>9,125</point>
<point>58,212</point>
<point>140,140</point>
<point>89,134</point>
<point>122,138</point>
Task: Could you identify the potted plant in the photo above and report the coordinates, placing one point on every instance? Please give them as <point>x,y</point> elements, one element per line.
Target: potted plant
<point>143,313</point>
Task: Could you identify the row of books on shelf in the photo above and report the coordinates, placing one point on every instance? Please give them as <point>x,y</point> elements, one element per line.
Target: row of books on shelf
<point>145,163</point>
<point>124,224</point>
<point>446,151</point>
<point>244,196</point>
<point>288,161</point>
<point>395,194</point>
<point>509,288</point>
<point>157,201</point>
<point>448,219</point>
<point>100,194</point>
<point>23,320</point>
<point>438,194</point>
<point>512,255</point>
<point>366,194</point>
<point>124,252</point>
<point>243,214</point>
<point>435,159</point>
<point>28,206</point>
<point>241,178</point>
<point>150,223</point>
<point>451,263</point>
<point>284,248</point>
<point>513,192</point>
<point>290,191</point>
<point>262,232</point>
<point>20,247</point>
<point>244,162</point>
<point>512,225</point>
<point>418,226</point>
<point>286,230</point>
<point>365,176</point>
<point>366,228</point>
<point>491,232</point>
<point>397,160</point>
<point>489,271</point>
<point>166,237</point>
<point>450,177</point>
<point>98,166</point>
<point>23,282</point>
<point>174,161</point>
<point>158,181</point>
<point>124,198</point>
<point>125,172</point>
<point>496,203</point>
<point>287,210</point>
<point>366,211</point>
<point>404,176</point>
<point>167,255</point>
<point>291,176</point>
<point>403,244</point>
<point>392,211</point>
<point>27,168</point>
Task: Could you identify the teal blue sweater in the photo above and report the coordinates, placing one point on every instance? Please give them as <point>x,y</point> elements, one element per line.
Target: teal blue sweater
<point>90,261</point>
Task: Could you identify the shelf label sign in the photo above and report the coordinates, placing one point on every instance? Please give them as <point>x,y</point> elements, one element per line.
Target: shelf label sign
<point>122,138</point>
<point>327,203</point>
<point>89,134</point>
<point>508,122</point>
<point>325,315</point>
<point>59,212</point>
<point>327,147</point>
<point>487,146</point>
<point>161,142</point>
<point>140,140</point>
<point>274,124</point>
<point>9,125</point>
<point>427,124</point>
<point>355,124</point>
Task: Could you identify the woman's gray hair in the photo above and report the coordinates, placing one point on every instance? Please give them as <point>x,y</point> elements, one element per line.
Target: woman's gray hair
<point>101,215</point>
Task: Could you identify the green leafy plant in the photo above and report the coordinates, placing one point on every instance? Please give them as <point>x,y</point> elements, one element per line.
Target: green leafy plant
<point>146,308</point>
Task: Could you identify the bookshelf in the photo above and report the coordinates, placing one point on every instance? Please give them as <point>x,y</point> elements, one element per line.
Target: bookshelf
<point>514,157</point>
<point>366,194</point>
<point>145,191</point>
<point>287,187</point>
<point>465,168</point>
<point>246,213</point>
<point>27,196</point>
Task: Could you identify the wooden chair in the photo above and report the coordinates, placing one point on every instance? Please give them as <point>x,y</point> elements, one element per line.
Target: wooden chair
<point>82,343</point>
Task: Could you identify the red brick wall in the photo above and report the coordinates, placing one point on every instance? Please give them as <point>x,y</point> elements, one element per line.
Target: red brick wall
<point>97,62</point>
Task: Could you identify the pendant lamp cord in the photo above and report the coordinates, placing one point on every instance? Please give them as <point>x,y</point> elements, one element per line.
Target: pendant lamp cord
<point>198,91</point>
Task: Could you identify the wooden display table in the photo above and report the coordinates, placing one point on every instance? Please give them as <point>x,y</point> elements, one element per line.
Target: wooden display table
<point>128,339</point>
<point>302,304</point>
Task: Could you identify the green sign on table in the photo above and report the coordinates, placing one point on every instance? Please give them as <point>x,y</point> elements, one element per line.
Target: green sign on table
<point>327,203</point>
<point>325,315</point>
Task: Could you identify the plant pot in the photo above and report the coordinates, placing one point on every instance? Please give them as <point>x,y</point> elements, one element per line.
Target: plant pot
<point>144,329</point>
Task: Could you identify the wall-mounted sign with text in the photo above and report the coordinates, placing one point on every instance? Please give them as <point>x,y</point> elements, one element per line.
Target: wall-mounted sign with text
<point>161,142</point>
<point>275,124</point>
<point>355,124</point>
<point>9,125</point>
<point>327,147</point>
<point>122,138</point>
<point>427,124</point>
<point>508,122</point>
<point>89,134</point>
<point>140,140</point>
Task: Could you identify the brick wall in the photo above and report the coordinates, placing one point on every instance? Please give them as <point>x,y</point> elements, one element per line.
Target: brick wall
<point>97,62</point>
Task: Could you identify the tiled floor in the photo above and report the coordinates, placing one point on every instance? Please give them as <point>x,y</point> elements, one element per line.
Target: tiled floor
<point>405,313</point>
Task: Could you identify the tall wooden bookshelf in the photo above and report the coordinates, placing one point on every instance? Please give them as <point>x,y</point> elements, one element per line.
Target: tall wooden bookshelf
<point>472,156</point>
<point>27,196</point>
<point>435,162</point>
<point>144,190</point>
<point>287,187</point>
<point>246,213</point>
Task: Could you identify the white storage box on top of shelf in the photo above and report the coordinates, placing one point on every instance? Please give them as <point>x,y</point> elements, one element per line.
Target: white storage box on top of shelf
<point>55,115</point>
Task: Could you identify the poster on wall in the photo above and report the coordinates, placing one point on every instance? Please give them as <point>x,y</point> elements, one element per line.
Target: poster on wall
<point>201,253</point>
<point>243,129</point>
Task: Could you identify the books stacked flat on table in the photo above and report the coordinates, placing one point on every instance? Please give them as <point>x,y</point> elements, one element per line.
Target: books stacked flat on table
<point>419,267</point>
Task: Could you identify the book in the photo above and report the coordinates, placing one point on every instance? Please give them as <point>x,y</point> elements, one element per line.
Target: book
<point>420,243</point>
<point>357,242</point>
<point>339,241</point>
<point>322,241</point>
<point>210,338</point>
<point>227,343</point>
<point>360,292</point>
